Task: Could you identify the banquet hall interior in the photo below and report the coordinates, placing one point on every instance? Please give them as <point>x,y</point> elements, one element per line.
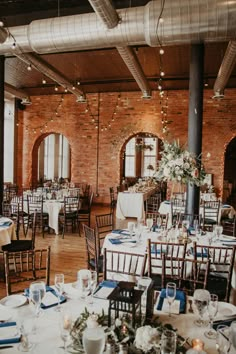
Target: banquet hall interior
<point>90,92</point>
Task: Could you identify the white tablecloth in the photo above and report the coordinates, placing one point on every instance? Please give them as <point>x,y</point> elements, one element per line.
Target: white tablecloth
<point>130,204</point>
<point>47,339</point>
<point>7,233</point>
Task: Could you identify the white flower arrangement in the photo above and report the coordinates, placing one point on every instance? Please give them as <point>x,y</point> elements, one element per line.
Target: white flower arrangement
<point>179,165</point>
<point>147,338</point>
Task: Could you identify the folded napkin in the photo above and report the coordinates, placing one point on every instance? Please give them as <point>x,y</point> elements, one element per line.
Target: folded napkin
<point>121,232</point>
<point>167,202</point>
<point>6,223</point>
<point>228,241</point>
<point>203,254</point>
<point>226,206</point>
<point>117,241</point>
<point>226,322</point>
<point>51,298</point>
<point>8,333</point>
<point>105,288</point>
<point>180,295</point>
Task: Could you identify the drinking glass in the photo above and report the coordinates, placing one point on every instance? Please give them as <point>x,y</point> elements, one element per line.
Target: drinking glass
<point>25,324</point>
<point>223,339</point>
<point>212,309</point>
<point>233,333</point>
<point>137,231</point>
<point>168,342</point>
<point>170,294</point>
<point>149,223</point>
<point>218,229</point>
<point>131,228</point>
<point>93,284</point>
<point>59,285</point>
<point>201,298</point>
<point>35,298</point>
<point>84,278</point>
<point>94,340</point>
<point>65,324</point>
<point>41,287</point>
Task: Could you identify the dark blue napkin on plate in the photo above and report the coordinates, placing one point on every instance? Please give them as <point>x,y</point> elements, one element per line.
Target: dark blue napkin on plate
<point>226,322</point>
<point>108,284</point>
<point>203,254</point>
<point>6,223</point>
<point>121,232</point>
<point>180,295</point>
<point>117,241</point>
<point>14,339</point>
<point>48,288</point>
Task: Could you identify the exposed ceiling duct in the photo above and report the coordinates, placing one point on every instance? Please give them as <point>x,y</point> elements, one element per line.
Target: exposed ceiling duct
<point>39,64</point>
<point>109,16</point>
<point>185,22</point>
<point>225,70</point>
<point>3,33</point>
<point>18,93</point>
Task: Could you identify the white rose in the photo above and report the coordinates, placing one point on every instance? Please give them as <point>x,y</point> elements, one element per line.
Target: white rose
<point>179,178</point>
<point>186,165</point>
<point>166,171</point>
<point>146,338</point>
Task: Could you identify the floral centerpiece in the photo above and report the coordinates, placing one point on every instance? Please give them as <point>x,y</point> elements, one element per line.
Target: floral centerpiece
<point>144,339</point>
<point>179,165</point>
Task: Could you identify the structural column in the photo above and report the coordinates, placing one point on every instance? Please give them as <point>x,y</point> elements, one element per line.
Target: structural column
<point>196,85</point>
<point>2,59</point>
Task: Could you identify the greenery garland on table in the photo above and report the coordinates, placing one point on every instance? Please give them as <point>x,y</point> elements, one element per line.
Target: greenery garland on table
<point>144,339</point>
<point>179,165</point>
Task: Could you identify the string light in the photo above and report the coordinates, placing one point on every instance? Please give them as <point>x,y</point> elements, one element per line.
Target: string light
<point>44,81</point>
<point>29,67</point>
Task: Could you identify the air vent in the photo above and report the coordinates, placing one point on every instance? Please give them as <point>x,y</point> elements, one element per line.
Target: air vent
<point>26,101</point>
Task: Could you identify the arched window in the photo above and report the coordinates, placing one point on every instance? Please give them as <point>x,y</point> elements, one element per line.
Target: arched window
<point>141,155</point>
<point>54,158</point>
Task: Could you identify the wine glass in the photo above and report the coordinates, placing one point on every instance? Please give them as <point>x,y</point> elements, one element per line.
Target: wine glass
<point>201,298</point>
<point>137,232</point>
<point>223,339</point>
<point>84,278</point>
<point>59,285</point>
<point>170,294</point>
<point>212,309</point>
<point>65,324</point>
<point>41,287</point>
<point>149,223</point>
<point>93,284</point>
<point>218,231</point>
<point>25,325</point>
<point>35,298</point>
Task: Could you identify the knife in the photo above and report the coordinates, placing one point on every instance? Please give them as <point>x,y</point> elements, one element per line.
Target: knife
<point>6,346</point>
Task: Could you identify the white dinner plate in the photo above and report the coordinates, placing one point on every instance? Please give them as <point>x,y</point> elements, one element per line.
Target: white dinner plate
<point>13,301</point>
<point>225,309</point>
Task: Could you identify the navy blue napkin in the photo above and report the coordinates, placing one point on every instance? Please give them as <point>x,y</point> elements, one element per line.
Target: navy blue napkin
<point>226,322</point>
<point>121,232</point>
<point>117,241</point>
<point>180,295</point>
<point>203,254</point>
<point>108,284</point>
<point>6,223</point>
<point>167,202</point>
<point>15,339</point>
<point>48,288</point>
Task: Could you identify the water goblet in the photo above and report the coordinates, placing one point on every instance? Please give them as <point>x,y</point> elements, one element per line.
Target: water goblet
<point>84,278</point>
<point>35,298</point>
<point>201,298</point>
<point>65,324</point>
<point>93,285</point>
<point>212,309</point>
<point>223,339</point>
<point>137,232</point>
<point>170,294</point>
<point>41,287</point>
<point>59,285</point>
<point>218,231</point>
<point>149,223</point>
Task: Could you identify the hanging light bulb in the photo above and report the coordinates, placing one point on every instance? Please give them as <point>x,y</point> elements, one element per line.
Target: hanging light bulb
<point>161,51</point>
<point>161,19</point>
<point>162,73</point>
<point>73,87</point>
<point>56,88</point>
<point>29,67</point>
<point>44,81</point>
<point>66,89</point>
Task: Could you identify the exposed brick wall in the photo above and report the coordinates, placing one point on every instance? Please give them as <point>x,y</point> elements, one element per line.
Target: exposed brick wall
<point>133,115</point>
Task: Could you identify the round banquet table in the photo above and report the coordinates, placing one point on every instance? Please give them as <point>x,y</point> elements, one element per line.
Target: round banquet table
<point>46,338</point>
<point>7,232</point>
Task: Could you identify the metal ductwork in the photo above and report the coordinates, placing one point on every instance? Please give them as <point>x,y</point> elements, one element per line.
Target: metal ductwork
<point>49,71</point>
<point>18,93</point>
<point>185,22</point>
<point>109,16</point>
<point>225,70</point>
<point>105,10</point>
<point>3,33</point>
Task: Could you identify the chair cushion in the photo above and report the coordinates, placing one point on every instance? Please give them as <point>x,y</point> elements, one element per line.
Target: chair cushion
<point>18,245</point>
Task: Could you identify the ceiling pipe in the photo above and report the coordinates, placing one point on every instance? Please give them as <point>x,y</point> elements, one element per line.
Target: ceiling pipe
<point>39,64</point>
<point>225,70</point>
<point>25,99</point>
<point>106,12</point>
<point>3,33</point>
<point>193,21</point>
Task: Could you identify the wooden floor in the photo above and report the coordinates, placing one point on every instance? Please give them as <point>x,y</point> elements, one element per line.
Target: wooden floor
<point>67,255</point>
